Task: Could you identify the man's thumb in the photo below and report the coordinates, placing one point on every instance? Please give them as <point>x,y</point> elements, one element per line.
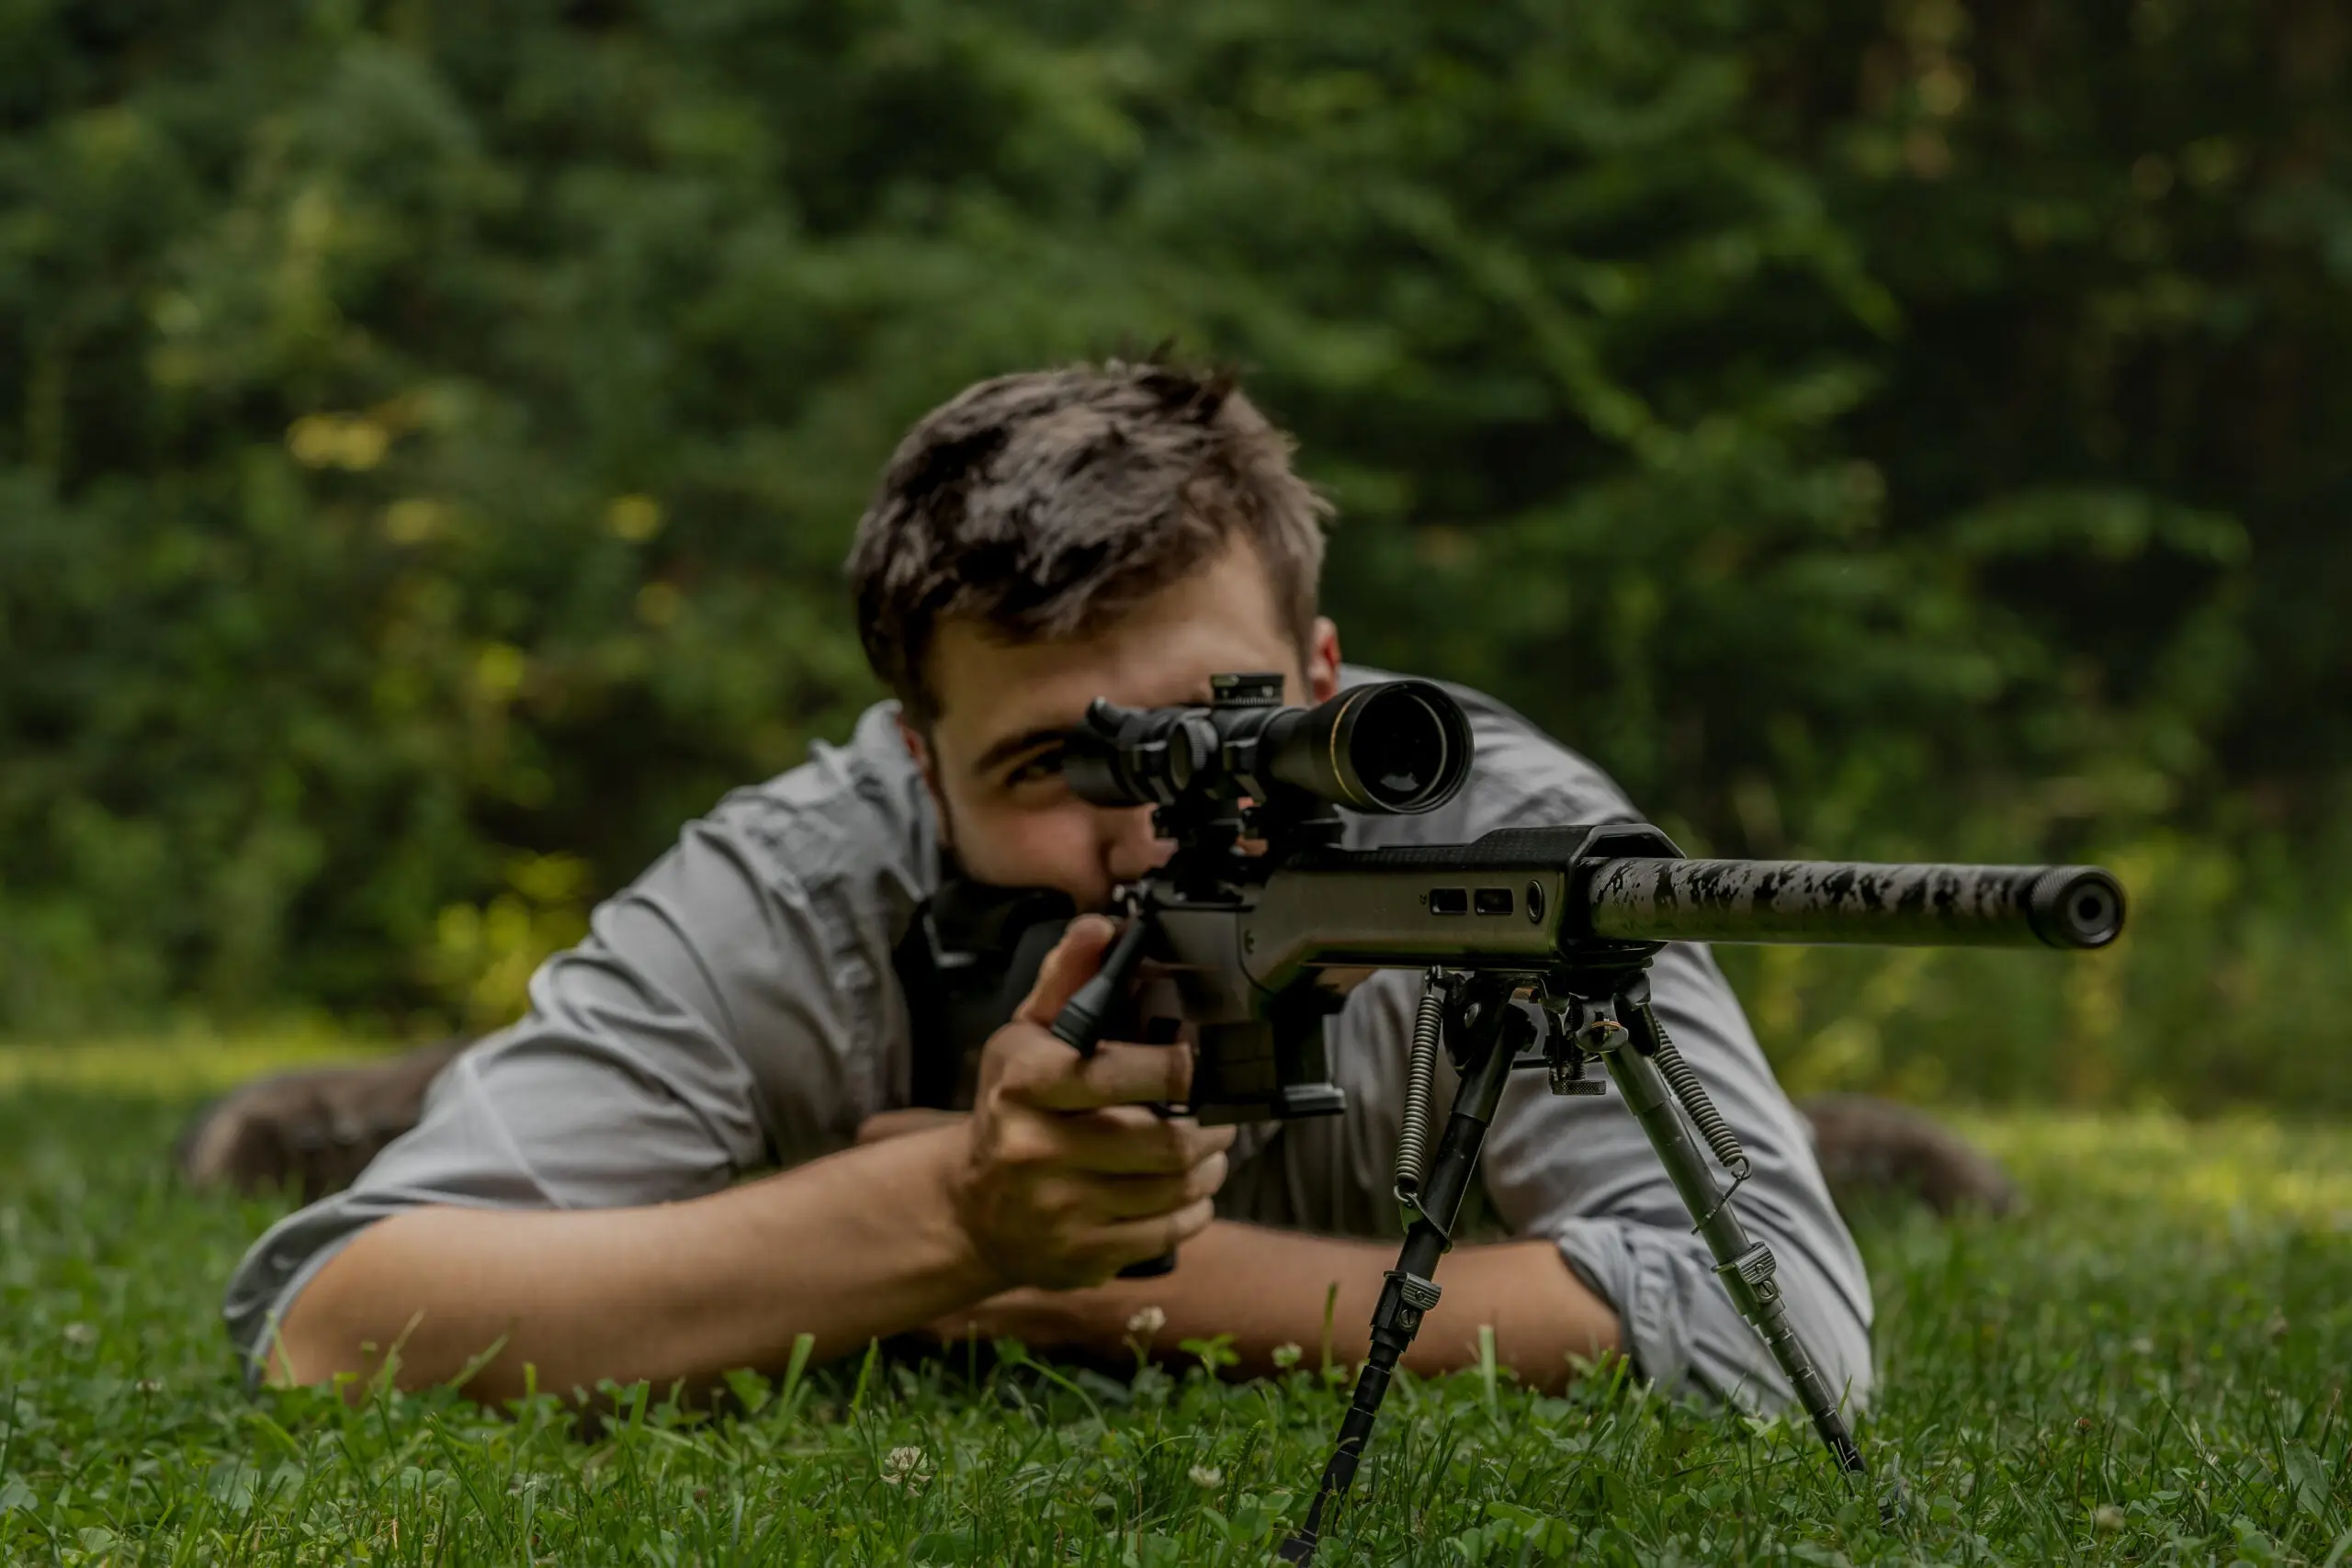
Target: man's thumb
<point>1070,964</point>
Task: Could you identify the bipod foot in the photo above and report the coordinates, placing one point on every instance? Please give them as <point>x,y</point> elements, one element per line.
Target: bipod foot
<point>1895,1504</point>
<point>1336,1475</point>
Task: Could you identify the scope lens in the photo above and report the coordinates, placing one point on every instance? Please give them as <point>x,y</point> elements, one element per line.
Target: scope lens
<point>1398,748</point>
<point>1403,752</point>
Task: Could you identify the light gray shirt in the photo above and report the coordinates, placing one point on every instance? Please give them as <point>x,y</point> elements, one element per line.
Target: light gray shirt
<point>735,1009</point>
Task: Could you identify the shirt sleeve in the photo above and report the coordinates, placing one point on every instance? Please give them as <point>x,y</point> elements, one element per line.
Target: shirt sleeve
<point>710,1024</point>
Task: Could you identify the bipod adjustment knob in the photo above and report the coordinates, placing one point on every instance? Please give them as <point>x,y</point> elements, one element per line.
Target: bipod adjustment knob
<point>1568,1076</point>
<point>1582,1033</point>
<point>1597,1032</point>
<point>1750,1280</point>
<point>1403,1301</point>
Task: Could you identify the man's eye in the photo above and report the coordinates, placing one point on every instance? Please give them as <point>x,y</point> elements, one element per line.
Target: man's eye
<point>1043,765</point>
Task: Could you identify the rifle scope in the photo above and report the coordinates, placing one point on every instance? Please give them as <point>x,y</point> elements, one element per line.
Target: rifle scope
<point>1395,748</point>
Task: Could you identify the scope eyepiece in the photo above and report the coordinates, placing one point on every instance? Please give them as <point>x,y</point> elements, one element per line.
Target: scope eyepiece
<point>1138,756</point>
<point>1395,748</point>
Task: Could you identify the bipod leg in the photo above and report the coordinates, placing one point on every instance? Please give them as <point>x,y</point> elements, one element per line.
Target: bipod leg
<point>1745,1267</point>
<point>1410,1292</point>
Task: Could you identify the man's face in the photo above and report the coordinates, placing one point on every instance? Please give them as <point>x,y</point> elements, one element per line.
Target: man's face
<point>992,759</point>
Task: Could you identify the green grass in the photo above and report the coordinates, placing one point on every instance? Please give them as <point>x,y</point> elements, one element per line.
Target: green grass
<point>2148,1367</point>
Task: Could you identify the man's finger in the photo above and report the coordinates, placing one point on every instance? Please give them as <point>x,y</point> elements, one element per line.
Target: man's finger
<point>1117,1140</point>
<point>1070,964</point>
<point>1131,1241</point>
<point>1040,1070</point>
<point>1128,1140</point>
<point>1139,1197</point>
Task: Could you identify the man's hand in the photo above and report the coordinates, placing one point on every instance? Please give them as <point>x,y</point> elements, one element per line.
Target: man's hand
<point>1071,1176</point>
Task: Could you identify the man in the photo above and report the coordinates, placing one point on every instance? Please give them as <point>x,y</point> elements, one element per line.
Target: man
<point>570,1206</point>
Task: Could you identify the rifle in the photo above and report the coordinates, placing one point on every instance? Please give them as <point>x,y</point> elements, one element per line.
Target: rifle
<point>1534,944</point>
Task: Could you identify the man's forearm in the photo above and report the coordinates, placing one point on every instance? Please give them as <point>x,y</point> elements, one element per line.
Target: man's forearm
<point>1267,1288</point>
<point>861,1244</point>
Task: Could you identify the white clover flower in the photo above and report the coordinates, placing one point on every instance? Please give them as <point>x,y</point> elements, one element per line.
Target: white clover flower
<point>1286,1356</point>
<point>80,1334</point>
<point>907,1466</point>
<point>1146,1322</point>
<point>1207,1477</point>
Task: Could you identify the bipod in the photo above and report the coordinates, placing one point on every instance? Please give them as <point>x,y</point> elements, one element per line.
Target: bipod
<point>1498,1016</point>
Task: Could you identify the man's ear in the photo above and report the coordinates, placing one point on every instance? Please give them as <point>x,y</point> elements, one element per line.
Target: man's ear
<point>1323,661</point>
<point>919,750</point>
<point>927,764</point>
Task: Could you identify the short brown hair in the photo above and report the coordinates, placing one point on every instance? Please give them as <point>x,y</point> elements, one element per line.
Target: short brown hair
<point>1043,503</point>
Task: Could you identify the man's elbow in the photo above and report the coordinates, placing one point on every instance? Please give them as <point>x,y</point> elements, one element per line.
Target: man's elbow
<point>340,1325</point>
<point>315,1339</point>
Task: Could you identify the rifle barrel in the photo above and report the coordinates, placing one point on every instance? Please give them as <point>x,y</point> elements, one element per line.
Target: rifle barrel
<point>1640,899</point>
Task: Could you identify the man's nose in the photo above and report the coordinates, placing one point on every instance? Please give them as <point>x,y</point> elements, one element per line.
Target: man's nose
<point>1129,848</point>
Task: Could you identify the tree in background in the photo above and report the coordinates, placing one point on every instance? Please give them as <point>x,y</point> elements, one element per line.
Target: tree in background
<point>429,434</point>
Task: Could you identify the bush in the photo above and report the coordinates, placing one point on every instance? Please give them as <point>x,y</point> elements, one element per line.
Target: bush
<point>430,434</point>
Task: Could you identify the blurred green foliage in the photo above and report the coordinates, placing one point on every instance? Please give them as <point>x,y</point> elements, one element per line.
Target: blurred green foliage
<point>429,433</point>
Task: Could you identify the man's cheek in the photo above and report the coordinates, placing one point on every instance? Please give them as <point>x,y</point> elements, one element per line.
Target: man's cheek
<point>1030,848</point>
